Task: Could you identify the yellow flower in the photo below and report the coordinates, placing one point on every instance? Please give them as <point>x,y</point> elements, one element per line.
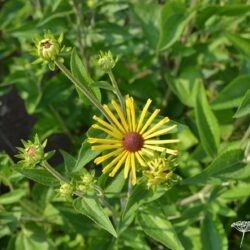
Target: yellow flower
<point>159,171</point>
<point>130,139</point>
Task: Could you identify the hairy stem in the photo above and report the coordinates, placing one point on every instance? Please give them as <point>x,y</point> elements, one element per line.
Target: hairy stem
<point>77,7</point>
<point>82,89</point>
<point>56,174</point>
<point>117,91</point>
<point>198,196</point>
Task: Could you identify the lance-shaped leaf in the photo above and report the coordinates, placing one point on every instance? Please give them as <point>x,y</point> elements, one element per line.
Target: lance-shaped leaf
<point>212,234</point>
<point>90,207</point>
<point>228,161</point>
<point>232,95</point>
<point>160,229</point>
<point>174,18</point>
<point>79,71</point>
<point>244,108</point>
<point>207,124</point>
<point>41,176</point>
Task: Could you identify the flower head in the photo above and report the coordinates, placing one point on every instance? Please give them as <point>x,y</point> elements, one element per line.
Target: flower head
<point>32,153</point>
<point>160,171</point>
<point>48,49</point>
<point>130,139</point>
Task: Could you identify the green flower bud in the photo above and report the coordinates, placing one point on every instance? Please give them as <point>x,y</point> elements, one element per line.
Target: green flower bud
<point>66,190</point>
<point>87,181</point>
<point>48,49</point>
<point>106,61</point>
<point>32,153</point>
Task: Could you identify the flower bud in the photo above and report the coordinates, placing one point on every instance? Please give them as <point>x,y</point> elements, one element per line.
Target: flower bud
<point>106,61</point>
<point>32,153</point>
<point>87,181</point>
<point>48,48</point>
<point>66,190</point>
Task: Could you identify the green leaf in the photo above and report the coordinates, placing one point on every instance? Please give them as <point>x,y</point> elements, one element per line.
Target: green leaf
<point>53,16</point>
<point>231,96</point>
<point>227,10</point>
<point>103,85</point>
<point>244,108</point>
<point>115,187</point>
<point>212,234</point>
<point>133,239</point>
<point>160,229</point>
<point>139,196</point>
<point>32,237</point>
<point>174,18</point>
<point>12,197</point>
<point>237,192</point>
<point>90,206</point>
<point>85,155</point>
<point>149,20</point>
<point>78,70</point>
<point>230,160</point>
<point>187,84</point>
<point>39,175</point>
<point>69,161</point>
<point>243,44</point>
<point>207,124</point>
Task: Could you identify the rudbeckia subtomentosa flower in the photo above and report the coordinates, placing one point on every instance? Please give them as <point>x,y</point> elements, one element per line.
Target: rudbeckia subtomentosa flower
<point>130,139</point>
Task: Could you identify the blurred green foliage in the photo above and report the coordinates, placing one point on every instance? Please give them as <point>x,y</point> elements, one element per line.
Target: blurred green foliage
<point>192,59</point>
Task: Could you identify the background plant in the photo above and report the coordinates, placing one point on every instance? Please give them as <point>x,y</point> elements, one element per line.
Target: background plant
<point>192,59</point>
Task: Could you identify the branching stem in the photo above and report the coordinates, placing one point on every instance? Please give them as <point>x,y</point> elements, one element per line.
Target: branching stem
<point>56,174</point>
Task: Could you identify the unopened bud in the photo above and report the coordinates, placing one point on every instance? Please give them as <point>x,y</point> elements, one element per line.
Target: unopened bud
<point>66,190</point>
<point>48,48</point>
<point>106,61</point>
<point>87,181</point>
<point>32,153</point>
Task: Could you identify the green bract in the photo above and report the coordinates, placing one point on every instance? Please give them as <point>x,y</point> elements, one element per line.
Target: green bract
<point>48,49</point>
<point>32,153</point>
<point>106,61</point>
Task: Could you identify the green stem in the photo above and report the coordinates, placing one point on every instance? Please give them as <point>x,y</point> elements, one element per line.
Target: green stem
<point>245,136</point>
<point>201,195</point>
<point>128,193</point>
<point>77,7</point>
<point>117,91</point>
<point>83,89</point>
<point>57,175</point>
